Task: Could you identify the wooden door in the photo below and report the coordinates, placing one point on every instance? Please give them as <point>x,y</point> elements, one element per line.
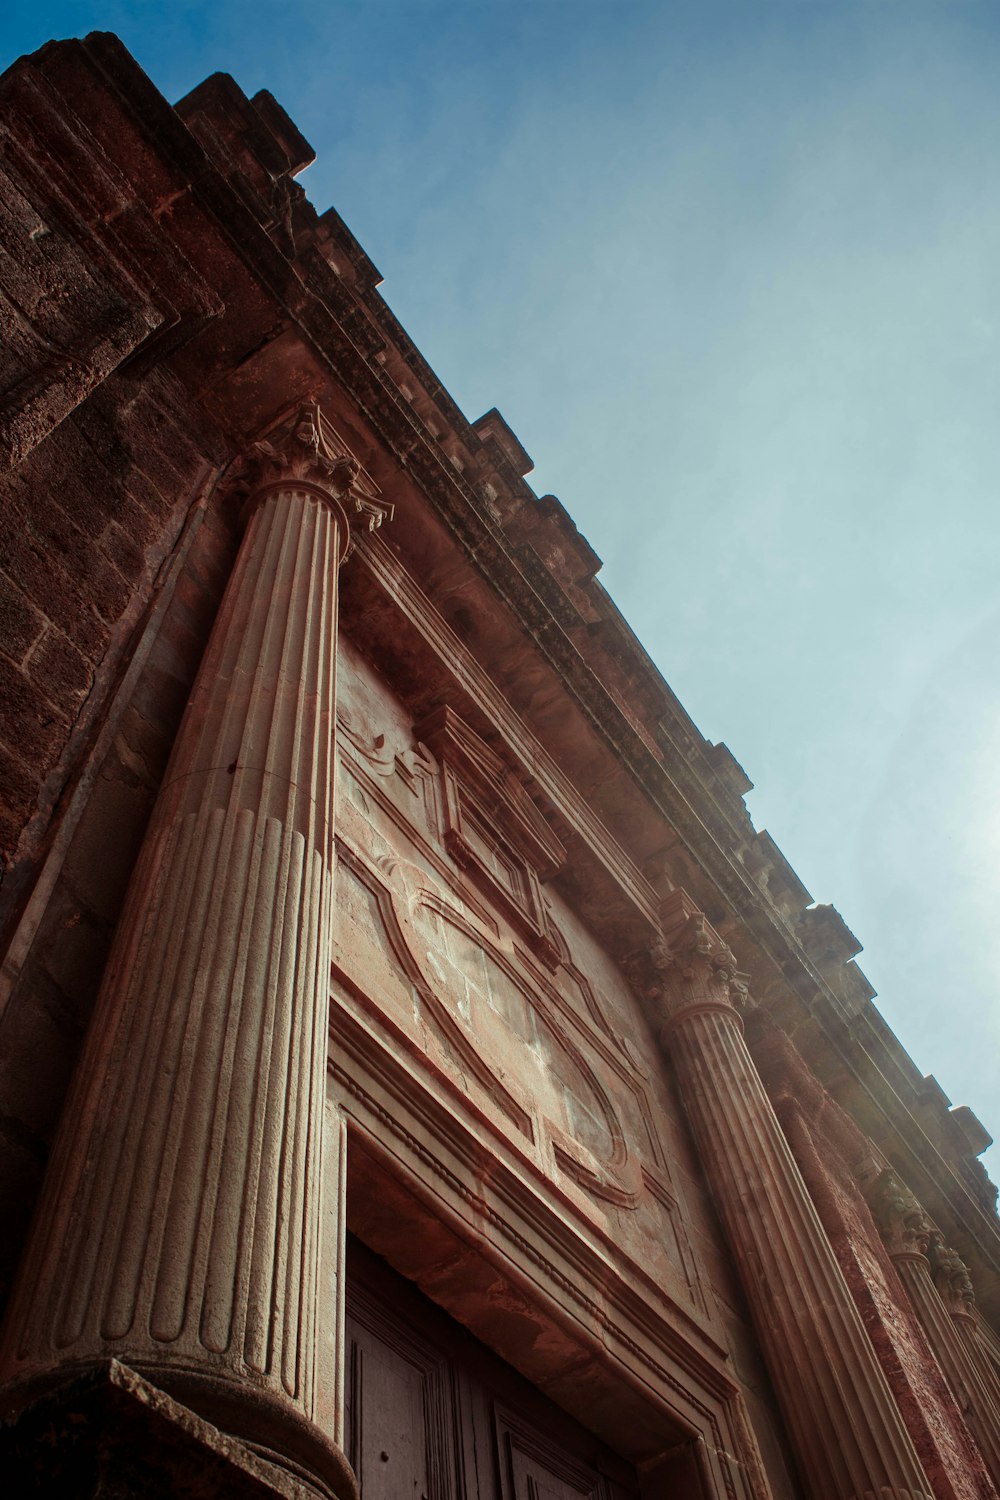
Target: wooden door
<point>534,1467</point>
<point>433,1415</point>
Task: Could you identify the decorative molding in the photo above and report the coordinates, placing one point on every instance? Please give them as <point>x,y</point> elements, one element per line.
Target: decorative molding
<point>368,763</point>
<point>626,1324</point>
<point>590,1283</point>
<point>493,829</point>
<point>582,1016</point>
<point>497,785</point>
<point>412,764</point>
<point>662,1194</point>
<point>588,996</point>
<point>355,816</point>
<point>402,892</point>
<point>394,910</point>
<point>377,755</point>
<point>394,616</point>
<point>626,886</point>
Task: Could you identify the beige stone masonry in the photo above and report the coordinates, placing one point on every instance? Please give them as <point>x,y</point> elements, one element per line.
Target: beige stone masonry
<point>180,1225</point>
<point>846,1431</point>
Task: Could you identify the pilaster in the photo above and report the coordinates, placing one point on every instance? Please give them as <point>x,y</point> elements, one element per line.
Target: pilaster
<point>907,1232</point>
<point>954,1286</point>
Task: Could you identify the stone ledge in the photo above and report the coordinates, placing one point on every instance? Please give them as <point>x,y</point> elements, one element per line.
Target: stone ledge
<point>110,1433</point>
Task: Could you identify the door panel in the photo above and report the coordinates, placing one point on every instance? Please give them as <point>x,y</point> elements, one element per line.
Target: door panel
<point>399,1406</point>
<point>537,1469</point>
<point>389,1448</point>
<point>433,1415</point>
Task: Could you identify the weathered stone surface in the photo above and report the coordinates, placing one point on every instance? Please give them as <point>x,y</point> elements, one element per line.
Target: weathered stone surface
<point>521,798</point>
<point>846,1430</point>
<point>200,1096</point>
<point>110,1435</point>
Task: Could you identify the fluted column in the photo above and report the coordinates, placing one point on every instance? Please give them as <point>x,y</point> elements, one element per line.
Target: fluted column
<point>847,1433</point>
<point>906,1232</point>
<point>179,1229</point>
<point>955,1289</point>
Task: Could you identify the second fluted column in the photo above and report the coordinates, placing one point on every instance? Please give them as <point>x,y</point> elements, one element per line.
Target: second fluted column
<point>846,1431</point>
<point>907,1232</point>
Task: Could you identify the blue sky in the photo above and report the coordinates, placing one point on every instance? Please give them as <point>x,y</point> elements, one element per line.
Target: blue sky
<point>730,272</point>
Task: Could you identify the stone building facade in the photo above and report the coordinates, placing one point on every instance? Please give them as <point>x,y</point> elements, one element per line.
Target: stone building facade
<point>415,1070</point>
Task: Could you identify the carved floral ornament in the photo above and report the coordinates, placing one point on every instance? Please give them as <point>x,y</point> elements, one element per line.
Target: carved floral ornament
<point>908,1232</point>
<point>951,1277</point>
<point>902,1223</point>
<point>690,968</point>
<point>308,453</point>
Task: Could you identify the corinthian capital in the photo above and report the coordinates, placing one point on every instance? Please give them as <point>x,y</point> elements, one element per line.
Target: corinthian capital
<point>692,967</point>
<point>951,1277</point>
<point>901,1221</point>
<point>308,452</point>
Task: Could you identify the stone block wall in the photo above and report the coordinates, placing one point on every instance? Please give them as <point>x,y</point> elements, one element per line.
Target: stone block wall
<point>87,522</point>
<point>131,628</point>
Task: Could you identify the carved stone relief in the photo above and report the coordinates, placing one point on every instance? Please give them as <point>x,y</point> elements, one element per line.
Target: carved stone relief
<point>369,901</point>
<point>904,1226</point>
<point>410,763</point>
<point>492,828</point>
<point>376,738</point>
<point>544,1041</point>
<point>951,1277</point>
<point>497,1028</point>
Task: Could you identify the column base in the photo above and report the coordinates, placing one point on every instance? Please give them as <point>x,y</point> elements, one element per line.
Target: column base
<point>110,1432</point>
